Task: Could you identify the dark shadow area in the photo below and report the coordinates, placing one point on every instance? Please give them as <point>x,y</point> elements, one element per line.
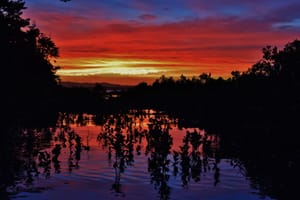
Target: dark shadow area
<point>271,164</point>
<point>255,113</point>
<point>29,152</point>
<point>269,157</point>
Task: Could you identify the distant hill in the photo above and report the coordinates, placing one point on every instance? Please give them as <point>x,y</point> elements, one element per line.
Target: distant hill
<point>107,86</point>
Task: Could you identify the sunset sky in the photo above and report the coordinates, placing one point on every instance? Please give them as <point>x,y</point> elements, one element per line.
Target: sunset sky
<point>129,41</point>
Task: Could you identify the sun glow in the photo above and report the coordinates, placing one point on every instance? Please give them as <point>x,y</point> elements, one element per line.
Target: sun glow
<point>109,70</point>
<point>92,66</point>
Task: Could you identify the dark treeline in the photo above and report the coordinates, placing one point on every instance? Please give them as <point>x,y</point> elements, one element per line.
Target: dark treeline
<point>262,101</point>
<point>26,58</point>
<point>31,94</point>
<point>266,95</point>
<point>268,89</point>
<point>30,87</point>
<point>256,111</point>
<point>29,79</point>
<point>267,92</point>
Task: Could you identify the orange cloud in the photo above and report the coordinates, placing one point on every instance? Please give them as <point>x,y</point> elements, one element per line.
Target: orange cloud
<point>188,47</point>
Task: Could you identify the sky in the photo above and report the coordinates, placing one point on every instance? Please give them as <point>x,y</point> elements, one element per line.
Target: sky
<point>132,41</point>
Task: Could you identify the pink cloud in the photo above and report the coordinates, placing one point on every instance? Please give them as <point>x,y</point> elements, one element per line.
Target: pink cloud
<point>217,45</point>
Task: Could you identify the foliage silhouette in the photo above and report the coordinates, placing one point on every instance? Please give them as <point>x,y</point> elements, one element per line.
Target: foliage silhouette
<point>251,108</point>
<point>30,153</point>
<point>269,168</point>
<point>266,92</point>
<point>28,62</point>
<point>159,144</point>
<point>123,133</point>
<point>119,143</point>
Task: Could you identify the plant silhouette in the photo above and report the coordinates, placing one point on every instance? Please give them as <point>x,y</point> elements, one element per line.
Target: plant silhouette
<point>27,56</point>
<point>159,145</point>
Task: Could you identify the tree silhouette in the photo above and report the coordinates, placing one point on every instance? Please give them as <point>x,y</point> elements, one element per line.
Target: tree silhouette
<point>28,73</point>
<point>288,60</point>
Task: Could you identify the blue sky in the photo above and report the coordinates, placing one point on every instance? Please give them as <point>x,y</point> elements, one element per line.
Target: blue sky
<point>185,36</point>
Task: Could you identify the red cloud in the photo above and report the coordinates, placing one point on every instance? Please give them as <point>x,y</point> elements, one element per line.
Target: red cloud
<point>211,45</point>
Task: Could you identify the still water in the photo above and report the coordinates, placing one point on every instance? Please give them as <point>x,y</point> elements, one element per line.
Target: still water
<point>137,155</point>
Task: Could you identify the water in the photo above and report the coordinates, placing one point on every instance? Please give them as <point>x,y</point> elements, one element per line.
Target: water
<point>128,156</point>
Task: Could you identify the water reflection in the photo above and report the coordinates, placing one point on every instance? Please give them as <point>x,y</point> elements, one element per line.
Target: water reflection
<point>119,145</point>
<point>159,143</point>
<point>26,159</point>
<point>168,159</point>
<point>198,156</point>
<point>33,152</point>
<point>122,134</point>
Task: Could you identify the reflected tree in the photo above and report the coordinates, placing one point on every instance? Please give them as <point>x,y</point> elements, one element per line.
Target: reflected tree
<point>28,159</point>
<point>122,135</point>
<point>159,144</point>
<point>56,163</point>
<point>31,154</point>
<point>195,155</point>
<point>119,138</point>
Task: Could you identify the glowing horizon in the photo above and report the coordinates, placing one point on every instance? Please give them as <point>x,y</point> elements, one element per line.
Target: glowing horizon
<point>135,41</point>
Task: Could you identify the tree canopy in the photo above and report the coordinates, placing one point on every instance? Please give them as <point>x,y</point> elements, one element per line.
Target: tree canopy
<point>26,55</point>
